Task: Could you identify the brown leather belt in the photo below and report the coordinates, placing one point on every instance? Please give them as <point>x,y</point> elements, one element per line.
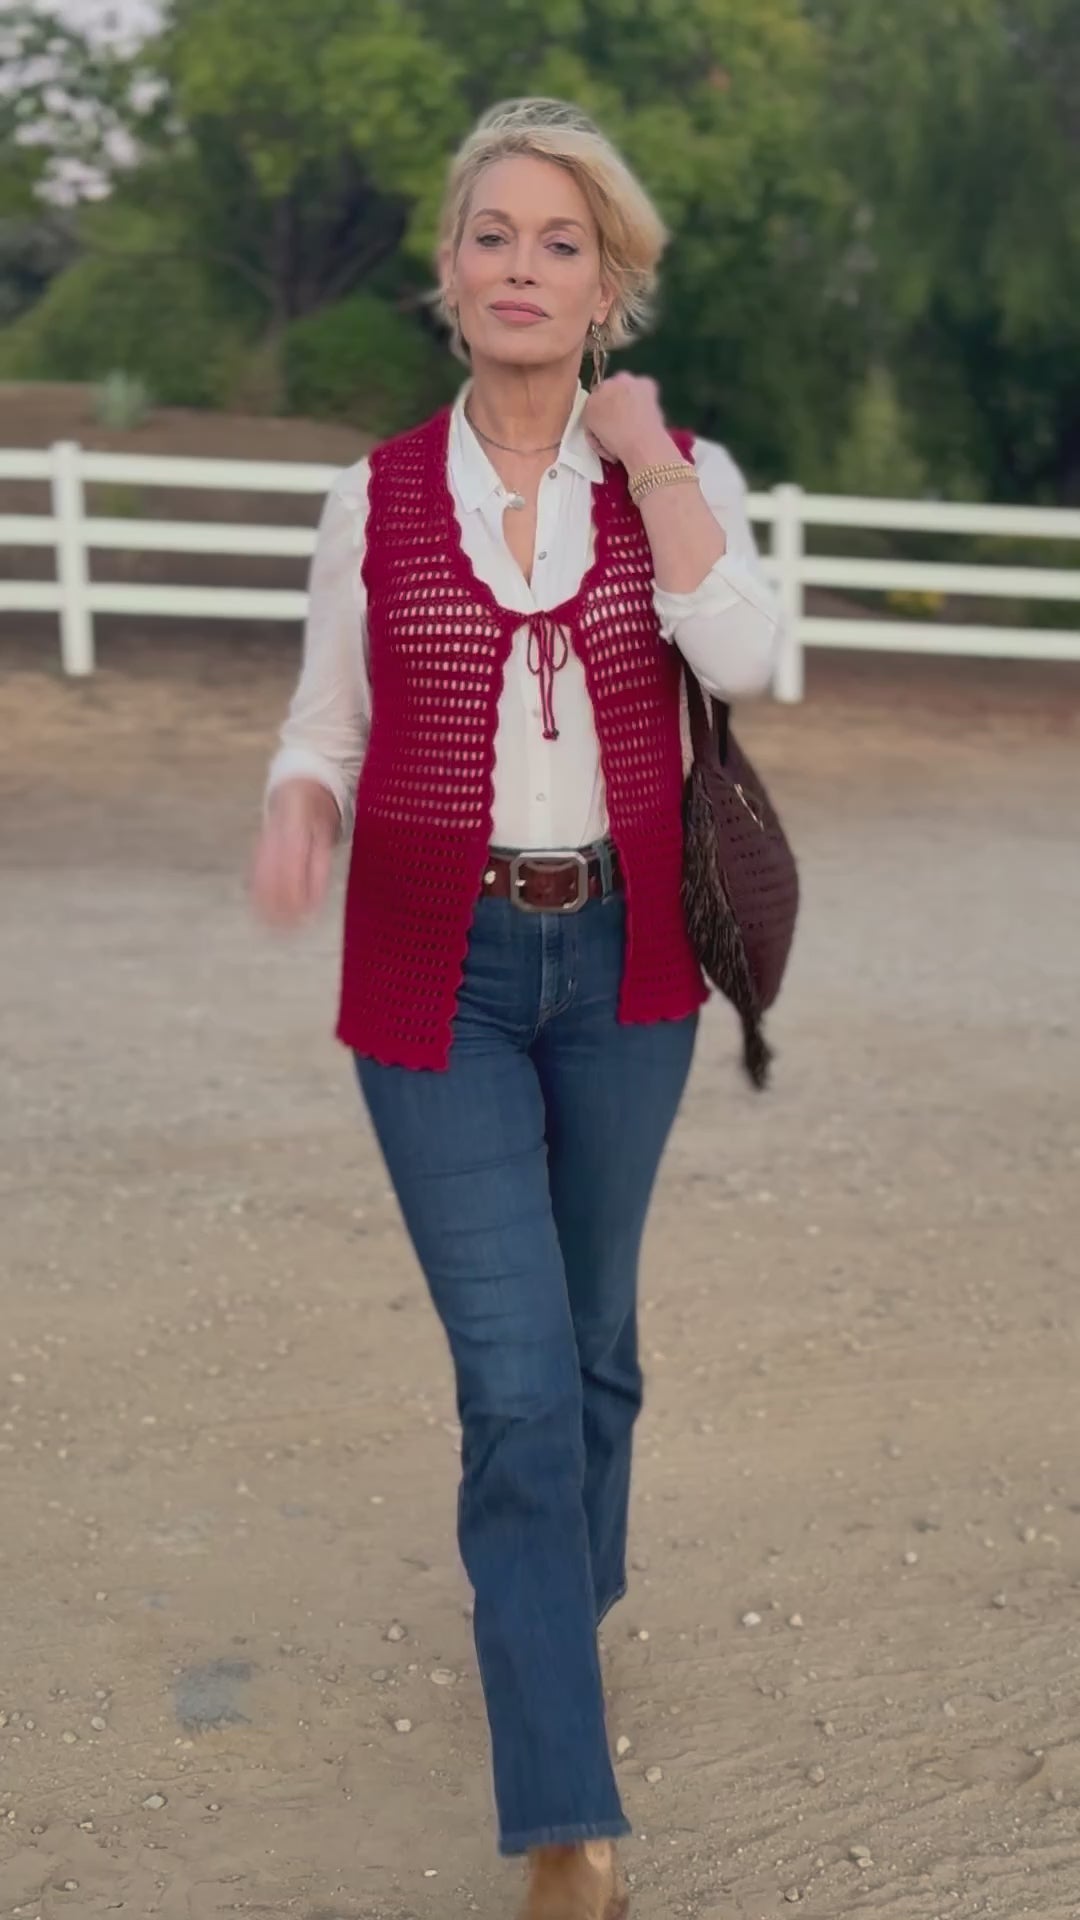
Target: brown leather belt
<point>551,883</point>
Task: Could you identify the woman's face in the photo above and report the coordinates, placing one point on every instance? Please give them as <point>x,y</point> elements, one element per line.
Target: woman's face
<point>526,276</point>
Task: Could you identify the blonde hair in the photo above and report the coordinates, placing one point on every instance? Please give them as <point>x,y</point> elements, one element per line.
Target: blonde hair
<point>631,232</point>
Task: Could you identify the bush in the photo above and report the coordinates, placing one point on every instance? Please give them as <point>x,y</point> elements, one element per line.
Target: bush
<point>877,456</point>
<point>117,500</point>
<point>910,604</point>
<point>122,401</point>
<point>33,250</point>
<point>248,376</point>
<point>365,363</point>
<point>157,318</point>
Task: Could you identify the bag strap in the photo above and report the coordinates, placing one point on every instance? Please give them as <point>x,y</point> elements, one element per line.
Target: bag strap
<point>710,719</point>
<point>708,728</point>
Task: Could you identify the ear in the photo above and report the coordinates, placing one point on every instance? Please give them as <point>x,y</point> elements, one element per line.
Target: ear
<point>603,310</point>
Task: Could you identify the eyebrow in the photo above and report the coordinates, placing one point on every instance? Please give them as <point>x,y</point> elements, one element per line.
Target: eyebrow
<point>495,213</point>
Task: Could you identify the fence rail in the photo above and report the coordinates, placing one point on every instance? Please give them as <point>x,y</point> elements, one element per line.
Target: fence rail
<point>73,535</point>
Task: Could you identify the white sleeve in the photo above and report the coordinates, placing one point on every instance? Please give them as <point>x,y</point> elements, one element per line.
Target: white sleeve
<point>325,735</point>
<point>728,629</point>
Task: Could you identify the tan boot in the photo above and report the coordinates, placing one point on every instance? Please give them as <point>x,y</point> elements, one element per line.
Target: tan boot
<point>576,1883</point>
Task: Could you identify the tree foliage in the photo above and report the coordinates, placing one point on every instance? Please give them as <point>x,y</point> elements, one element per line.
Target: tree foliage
<point>875,206</point>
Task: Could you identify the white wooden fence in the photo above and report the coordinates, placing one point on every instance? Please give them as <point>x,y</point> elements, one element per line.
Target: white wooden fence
<point>787,512</point>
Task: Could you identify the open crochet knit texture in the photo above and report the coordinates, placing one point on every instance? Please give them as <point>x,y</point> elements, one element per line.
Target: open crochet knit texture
<point>438,642</point>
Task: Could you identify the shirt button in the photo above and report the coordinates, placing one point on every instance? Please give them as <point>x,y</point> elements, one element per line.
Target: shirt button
<point>553,473</point>
<point>541,796</point>
<point>541,556</point>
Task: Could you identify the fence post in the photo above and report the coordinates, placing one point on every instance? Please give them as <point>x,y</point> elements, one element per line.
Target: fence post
<point>787,551</point>
<point>69,510</point>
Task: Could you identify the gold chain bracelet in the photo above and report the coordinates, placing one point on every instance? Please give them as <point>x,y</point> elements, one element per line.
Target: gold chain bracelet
<point>674,473</point>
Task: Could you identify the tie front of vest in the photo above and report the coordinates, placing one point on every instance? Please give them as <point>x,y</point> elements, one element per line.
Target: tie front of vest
<point>438,643</point>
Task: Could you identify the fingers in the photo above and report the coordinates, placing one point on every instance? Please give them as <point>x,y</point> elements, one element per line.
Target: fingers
<point>320,865</point>
<point>269,889</point>
<point>291,873</point>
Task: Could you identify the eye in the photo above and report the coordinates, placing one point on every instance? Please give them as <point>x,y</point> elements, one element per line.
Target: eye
<point>489,239</point>
<point>565,247</point>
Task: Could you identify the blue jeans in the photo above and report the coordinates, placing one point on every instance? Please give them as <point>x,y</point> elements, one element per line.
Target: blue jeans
<point>524,1175</point>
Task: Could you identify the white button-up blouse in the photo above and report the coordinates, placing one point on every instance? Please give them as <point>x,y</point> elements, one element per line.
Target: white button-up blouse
<point>549,794</point>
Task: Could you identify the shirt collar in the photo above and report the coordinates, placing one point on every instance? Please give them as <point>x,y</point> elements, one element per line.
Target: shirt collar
<point>472,475</point>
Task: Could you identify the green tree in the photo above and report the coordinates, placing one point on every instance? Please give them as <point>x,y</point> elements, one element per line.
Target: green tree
<point>958,121</point>
<point>866,199</point>
<point>299,165</point>
<point>717,103</point>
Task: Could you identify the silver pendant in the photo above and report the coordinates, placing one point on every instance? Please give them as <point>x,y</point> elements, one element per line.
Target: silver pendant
<point>516,500</point>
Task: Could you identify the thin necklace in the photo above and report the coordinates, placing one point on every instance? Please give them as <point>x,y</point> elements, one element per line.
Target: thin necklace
<point>523,453</point>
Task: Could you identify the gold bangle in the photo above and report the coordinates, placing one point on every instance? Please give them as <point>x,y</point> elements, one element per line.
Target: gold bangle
<point>649,476</point>
<point>675,473</point>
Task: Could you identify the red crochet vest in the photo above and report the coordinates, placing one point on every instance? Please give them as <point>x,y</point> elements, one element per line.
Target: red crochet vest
<point>438,643</point>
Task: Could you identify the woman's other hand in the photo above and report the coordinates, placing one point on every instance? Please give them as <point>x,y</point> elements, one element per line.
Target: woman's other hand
<point>293,857</point>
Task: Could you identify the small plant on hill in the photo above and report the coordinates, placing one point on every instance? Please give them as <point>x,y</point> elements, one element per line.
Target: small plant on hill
<point>121,401</point>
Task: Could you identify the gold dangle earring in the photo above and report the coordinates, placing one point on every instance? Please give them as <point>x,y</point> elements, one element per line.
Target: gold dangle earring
<point>599,355</point>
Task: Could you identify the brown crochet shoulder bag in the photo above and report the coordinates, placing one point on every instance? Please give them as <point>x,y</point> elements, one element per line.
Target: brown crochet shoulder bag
<point>740,881</point>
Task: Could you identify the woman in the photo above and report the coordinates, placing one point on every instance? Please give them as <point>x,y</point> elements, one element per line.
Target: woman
<point>499,603</point>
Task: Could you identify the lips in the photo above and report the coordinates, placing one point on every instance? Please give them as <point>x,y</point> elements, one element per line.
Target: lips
<point>518,309</point>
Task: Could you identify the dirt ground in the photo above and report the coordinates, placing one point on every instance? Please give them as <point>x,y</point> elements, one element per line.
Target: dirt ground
<point>227,1452</point>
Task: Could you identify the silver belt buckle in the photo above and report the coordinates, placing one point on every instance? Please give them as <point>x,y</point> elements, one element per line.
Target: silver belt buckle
<point>561,861</point>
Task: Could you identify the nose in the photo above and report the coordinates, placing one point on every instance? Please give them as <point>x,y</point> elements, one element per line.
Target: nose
<point>520,271</point>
